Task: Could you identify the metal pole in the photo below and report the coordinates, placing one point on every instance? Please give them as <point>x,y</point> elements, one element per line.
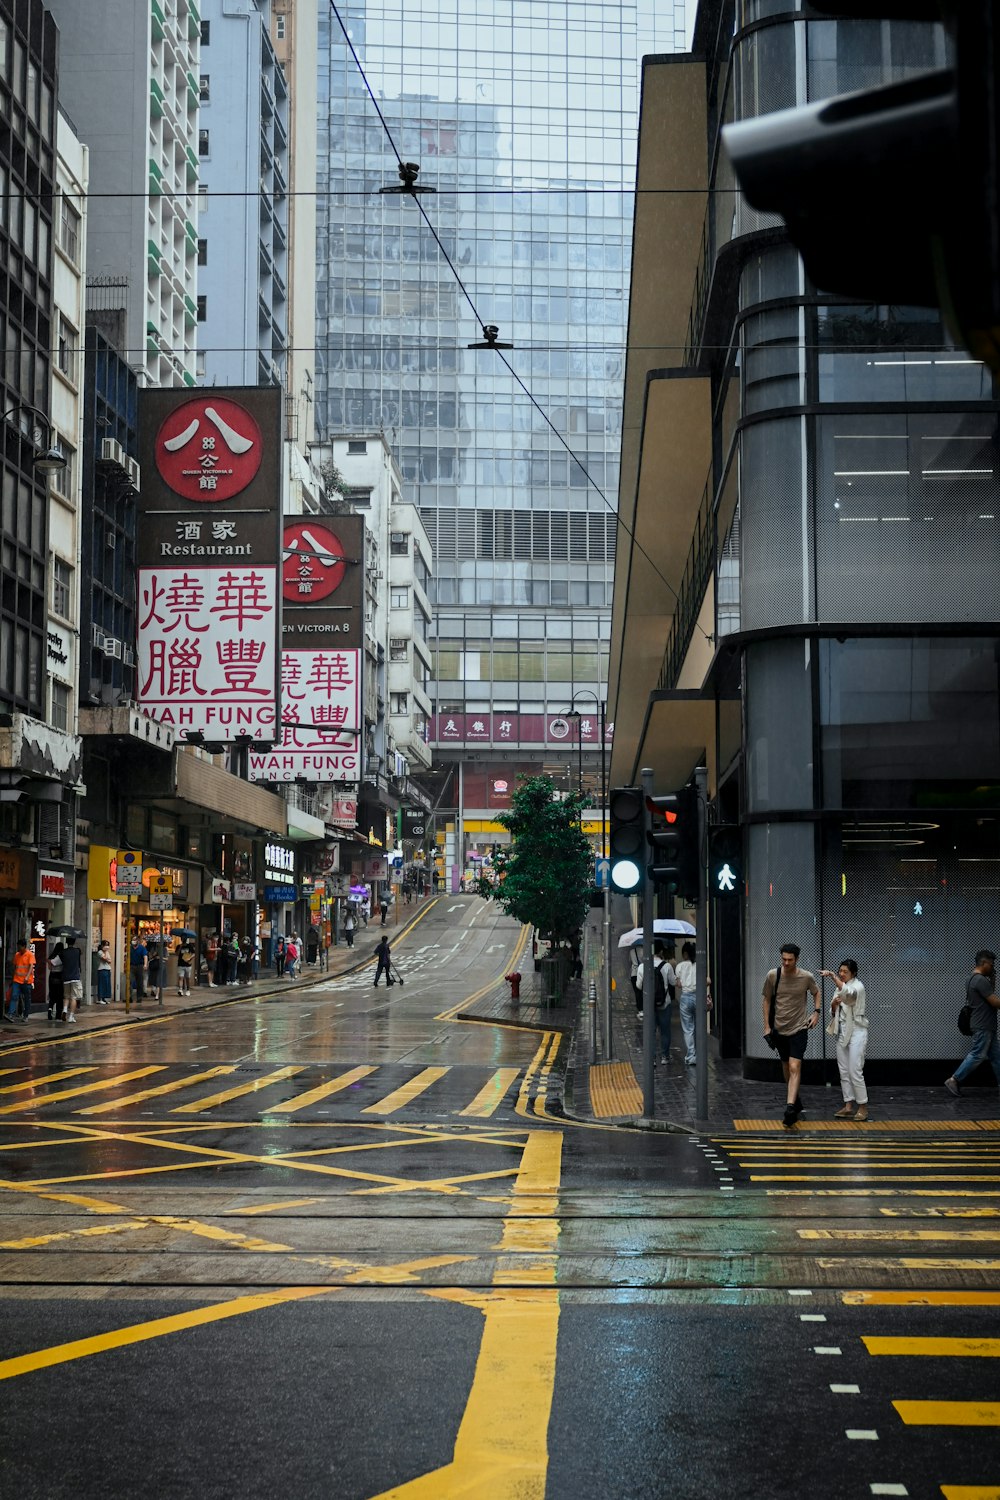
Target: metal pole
<point>701,954</point>
<point>648,976</point>
<point>160,966</point>
<point>606,933</point>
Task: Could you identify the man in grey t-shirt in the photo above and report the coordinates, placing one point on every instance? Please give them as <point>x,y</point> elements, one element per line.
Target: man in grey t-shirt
<point>985,1004</point>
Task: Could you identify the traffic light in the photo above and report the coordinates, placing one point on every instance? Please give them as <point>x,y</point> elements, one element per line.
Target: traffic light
<point>892,195</point>
<point>626,839</point>
<point>725,862</point>
<point>673,838</point>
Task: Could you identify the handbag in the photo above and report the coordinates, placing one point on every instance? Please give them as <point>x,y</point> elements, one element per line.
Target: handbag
<point>771,1036</point>
<point>965,1014</point>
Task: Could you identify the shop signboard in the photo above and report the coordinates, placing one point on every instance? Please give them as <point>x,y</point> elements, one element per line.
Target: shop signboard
<point>126,876</point>
<point>244,890</point>
<point>414,822</point>
<point>518,729</point>
<point>277,894</point>
<point>222,891</point>
<point>321,654</point>
<point>376,869</point>
<point>208,554</point>
<point>52,883</point>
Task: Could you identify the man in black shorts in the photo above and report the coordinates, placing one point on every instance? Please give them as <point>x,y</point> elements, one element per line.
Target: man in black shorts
<point>794,1018</point>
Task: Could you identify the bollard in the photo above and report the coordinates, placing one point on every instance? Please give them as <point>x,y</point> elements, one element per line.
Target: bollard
<point>514,980</point>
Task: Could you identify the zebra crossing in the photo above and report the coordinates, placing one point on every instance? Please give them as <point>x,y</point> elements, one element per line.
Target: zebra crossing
<point>251,1091</point>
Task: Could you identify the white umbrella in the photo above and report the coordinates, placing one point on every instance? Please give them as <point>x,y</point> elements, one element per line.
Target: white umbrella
<point>662,927</point>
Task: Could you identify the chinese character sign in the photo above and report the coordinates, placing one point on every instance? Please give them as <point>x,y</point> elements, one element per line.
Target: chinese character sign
<point>209,555</point>
<point>320,719</point>
<point>321,581</point>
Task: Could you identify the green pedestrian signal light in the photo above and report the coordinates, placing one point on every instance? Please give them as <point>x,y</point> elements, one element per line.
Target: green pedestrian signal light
<point>626,839</point>
<point>725,862</point>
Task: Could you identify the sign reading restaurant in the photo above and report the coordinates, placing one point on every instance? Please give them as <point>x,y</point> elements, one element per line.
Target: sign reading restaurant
<point>208,545</point>
<point>321,655</point>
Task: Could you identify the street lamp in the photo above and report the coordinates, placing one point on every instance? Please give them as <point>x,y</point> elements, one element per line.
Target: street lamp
<point>49,457</point>
<point>606,932</point>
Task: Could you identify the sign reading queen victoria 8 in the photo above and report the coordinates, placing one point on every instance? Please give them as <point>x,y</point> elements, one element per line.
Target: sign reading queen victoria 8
<point>208,550</point>
<point>321,657</point>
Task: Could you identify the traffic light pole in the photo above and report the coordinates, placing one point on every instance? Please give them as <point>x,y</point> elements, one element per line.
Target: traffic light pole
<point>701,954</point>
<point>648,973</point>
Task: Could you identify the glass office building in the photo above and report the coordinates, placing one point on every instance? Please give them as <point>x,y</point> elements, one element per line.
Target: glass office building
<point>522,115</point>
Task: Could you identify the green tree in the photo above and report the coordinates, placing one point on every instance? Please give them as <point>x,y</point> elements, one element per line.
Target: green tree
<point>545,876</point>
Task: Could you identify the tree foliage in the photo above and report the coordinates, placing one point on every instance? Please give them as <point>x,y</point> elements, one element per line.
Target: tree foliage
<point>545,876</point>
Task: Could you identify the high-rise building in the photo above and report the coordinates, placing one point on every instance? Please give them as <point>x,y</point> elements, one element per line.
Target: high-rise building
<point>523,119</point>
<point>128,79</point>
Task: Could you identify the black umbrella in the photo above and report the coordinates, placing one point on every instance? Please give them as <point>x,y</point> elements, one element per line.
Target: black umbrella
<point>64,930</point>
<point>183,932</point>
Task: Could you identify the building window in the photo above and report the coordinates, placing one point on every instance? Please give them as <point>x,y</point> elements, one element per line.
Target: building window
<point>279,28</point>
<point>399,703</point>
<point>398,648</point>
<point>202,309</point>
<point>64,479</point>
<point>203,143</point>
<point>62,583</point>
<point>203,252</point>
<point>204,89</point>
<point>69,231</point>
<point>206,33</point>
<point>357,445</point>
<point>399,598</point>
<point>60,706</point>
<point>66,349</point>
<point>399,543</point>
<point>358,496</point>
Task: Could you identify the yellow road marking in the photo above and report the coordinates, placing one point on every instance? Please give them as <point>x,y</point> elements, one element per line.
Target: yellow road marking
<point>405,1095</point>
<point>244,1088</point>
<point>32,1242</point>
<point>270,1208</point>
<point>36,1083</point>
<point>929,1127</point>
<point>921,1299</point>
<point>489,1098</point>
<point>323,1091</point>
<point>437,1184</point>
<point>153,1093</point>
<point>878,1193</point>
<point>454,1012</point>
<point>86,1088</point>
<point>949,1413</point>
<point>906,1263</point>
<point>876,1177</point>
<point>58,1354</point>
<point>889,1236</point>
<point>952,1348</point>
<point>971,1491</point>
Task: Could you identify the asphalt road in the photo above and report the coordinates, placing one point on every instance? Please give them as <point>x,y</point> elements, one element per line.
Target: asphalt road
<point>339,1244</point>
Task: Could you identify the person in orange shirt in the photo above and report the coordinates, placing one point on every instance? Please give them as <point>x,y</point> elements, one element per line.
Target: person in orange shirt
<point>22,981</point>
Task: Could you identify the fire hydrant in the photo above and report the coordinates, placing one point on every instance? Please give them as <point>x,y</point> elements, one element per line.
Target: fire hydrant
<point>514,980</point>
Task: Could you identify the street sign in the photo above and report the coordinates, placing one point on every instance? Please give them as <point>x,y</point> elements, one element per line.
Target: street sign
<point>160,900</point>
<point>128,875</point>
<point>602,874</point>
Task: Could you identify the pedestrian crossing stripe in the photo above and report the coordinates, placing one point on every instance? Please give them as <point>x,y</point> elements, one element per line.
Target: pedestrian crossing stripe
<point>949,1413</point>
<point>869,1127</point>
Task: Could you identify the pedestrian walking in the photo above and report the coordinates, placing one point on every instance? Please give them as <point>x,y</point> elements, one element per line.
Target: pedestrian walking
<point>981,997</point>
<point>788,1020</point>
<point>185,963</point>
<point>349,926</point>
<point>279,958</point>
<point>687,985</point>
<point>234,953</point>
<point>104,972</point>
<point>54,1006</point>
<point>849,1025</point>
<point>291,955</point>
<point>384,910</point>
<point>138,967</point>
<point>21,991</point>
<point>72,980</point>
<point>384,965</point>
<point>664,984</point>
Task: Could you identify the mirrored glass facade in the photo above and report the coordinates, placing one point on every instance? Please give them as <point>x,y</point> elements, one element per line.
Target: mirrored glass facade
<point>523,117</point>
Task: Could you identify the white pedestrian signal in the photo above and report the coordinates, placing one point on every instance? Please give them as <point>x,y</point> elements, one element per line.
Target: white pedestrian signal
<point>725,879</point>
<point>918,909</point>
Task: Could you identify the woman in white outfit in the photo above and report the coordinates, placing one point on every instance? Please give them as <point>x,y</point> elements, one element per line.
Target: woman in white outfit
<point>849,1024</point>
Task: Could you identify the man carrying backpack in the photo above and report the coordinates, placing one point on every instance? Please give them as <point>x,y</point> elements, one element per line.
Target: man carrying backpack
<point>664,982</point>
<point>984,1002</point>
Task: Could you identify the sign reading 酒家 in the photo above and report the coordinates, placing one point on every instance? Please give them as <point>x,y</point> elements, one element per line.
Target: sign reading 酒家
<point>208,550</point>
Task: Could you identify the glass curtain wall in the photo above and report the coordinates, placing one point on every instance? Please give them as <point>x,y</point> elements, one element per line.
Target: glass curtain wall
<point>523,116</point>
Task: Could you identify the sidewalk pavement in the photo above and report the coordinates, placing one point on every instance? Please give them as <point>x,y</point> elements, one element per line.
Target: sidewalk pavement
<point>612,1093</point>
<point>94,1017</point>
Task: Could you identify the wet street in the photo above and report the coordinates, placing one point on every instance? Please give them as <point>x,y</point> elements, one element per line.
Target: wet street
<point>340,1242</point>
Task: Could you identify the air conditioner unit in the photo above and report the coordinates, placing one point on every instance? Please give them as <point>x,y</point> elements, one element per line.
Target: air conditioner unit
<point>97,636</point>
<point>397,536</point>
<point>134,472</point>
<point>112,647</point>
<point>128,656</point>
<point>111,541</point>
<point>397,643</point>
<point>112,452</point>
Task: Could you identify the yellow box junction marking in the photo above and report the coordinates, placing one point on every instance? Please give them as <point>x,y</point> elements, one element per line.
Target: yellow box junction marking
<point>491,1096</point>
<point>921,1299</point>
<point>36,1083</point>
<point>263,1082</point>
<point>952,1348</point>
<point>929,1127</point>
<point>614,1090</point>
<point>87,1088</point>
<point>322,1091</point>
<point>157,1091</point>
<point>971,1491</point>
<point>949,1413</point>
<point>405,1095</point>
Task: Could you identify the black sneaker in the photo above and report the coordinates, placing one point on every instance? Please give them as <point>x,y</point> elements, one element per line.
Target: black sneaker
<point>790,1117</point>
<point>798,1106</point>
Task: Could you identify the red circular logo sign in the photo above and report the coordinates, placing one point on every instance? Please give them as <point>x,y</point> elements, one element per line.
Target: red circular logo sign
<point>208,449</point>
<point>313,562</point>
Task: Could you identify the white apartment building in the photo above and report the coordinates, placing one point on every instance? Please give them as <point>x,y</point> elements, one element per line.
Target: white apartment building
<point>410,662</point>
<point>242,298</point>
<point>128,78</point>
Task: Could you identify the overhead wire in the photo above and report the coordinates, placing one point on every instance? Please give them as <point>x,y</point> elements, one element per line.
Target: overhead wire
<point>482,324</point>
